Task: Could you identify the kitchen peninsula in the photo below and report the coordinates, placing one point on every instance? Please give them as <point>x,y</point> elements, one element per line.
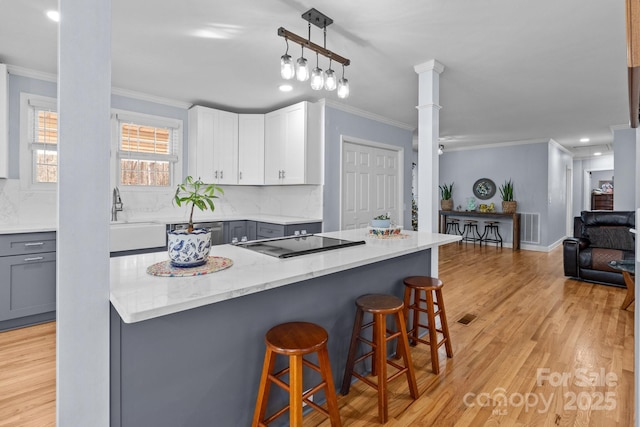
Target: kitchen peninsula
<point>188,350</point>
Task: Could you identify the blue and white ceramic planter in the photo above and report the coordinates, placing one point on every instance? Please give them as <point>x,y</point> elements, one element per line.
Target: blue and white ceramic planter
<point>380,223</point>
<point>189,249</point>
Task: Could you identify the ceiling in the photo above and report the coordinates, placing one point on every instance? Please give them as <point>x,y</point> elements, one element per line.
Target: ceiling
<point>514,70</point>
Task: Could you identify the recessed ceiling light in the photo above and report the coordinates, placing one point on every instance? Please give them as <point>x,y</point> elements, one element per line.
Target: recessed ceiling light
<point>584,139</point>
<point>54,15</point>
<point>285,88</point>
<point>597,153</point>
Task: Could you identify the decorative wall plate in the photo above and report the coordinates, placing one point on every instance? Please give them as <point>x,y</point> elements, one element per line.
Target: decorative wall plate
<point>484,188</point>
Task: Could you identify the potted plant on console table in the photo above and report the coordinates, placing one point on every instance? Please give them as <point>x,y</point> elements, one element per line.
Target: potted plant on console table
<point>509,205</point>
<point>191,247</point>
<point>446,193</point>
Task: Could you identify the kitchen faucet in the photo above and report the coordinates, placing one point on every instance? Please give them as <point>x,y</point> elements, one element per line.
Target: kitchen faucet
<point>116,205</point>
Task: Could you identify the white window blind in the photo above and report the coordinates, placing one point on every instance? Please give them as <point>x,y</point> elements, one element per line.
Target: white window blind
<point>147,150</point>
<point>43,140</point>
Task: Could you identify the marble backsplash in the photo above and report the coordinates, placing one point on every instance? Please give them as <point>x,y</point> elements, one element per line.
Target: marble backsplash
<point>24,207</point>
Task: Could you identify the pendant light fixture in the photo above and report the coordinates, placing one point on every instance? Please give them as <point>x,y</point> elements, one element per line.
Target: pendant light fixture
<point>343,86</point>
<point>317,76</point>
<point>287,69</point>
<point>330,81</point>
<point>302,68</point>
<point>319,79</point>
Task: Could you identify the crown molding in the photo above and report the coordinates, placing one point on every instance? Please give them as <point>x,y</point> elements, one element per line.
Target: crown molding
<point>497,144</point>
<point>48,77</point>
<point>560,147</point>
<point>431,65</point>
<point>365,114</point>
<point>614,128</point>
<point>27,72</point>
<point>150,98</point>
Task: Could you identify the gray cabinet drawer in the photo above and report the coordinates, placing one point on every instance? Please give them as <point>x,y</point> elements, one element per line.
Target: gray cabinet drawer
<point>28,286</point>
<point>264,230</point>
<point>27,243</point>
<point>309,228</point>
<point>267,230</point>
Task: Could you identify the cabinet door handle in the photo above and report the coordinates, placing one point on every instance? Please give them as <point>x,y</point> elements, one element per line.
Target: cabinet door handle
<point>279,174</point>
<point>34,244</point>
<point>283,174</point>
<point>221,174</point>
<point>240,175</point>
<point>35,258</point>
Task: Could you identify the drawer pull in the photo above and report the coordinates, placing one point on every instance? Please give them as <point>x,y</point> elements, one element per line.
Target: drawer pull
<point>34,244</point>
<point>35,258</point>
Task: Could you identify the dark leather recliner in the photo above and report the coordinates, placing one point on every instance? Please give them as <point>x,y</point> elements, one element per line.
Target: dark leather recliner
<point>599,237</point>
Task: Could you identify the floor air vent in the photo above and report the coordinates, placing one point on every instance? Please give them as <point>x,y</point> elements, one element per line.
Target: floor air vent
<point>467,318</point>
<point>530,228</point>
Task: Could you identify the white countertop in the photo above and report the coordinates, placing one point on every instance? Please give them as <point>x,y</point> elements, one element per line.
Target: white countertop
<point>273,219</point>
<point>139,296</point>
<point>26,228</point>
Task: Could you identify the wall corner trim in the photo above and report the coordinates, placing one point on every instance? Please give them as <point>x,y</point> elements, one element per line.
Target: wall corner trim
<point>364,114</point>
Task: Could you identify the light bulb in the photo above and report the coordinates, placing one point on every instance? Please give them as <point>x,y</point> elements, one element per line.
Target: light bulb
<point>317,79</point>
<point>343,88</point>
<point>287,70</point>
<point>302,69</point>
<point>330,82</point>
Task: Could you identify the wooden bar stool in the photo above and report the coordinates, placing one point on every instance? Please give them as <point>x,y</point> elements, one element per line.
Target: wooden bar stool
<point>380,306</point>
<point>415,285</point>
<point>295,340</point>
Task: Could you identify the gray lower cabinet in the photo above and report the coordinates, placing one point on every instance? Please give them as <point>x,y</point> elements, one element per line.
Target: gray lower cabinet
<point>27,278</point>
<point>253,230</point>
<point>235,229</point>
<point>266,230</point>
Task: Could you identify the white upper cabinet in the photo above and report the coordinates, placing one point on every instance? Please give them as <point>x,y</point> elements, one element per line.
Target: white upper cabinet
<point>293,149</point>
<point>4,123</point>
<point>251,149</point>
<point>213,145</point>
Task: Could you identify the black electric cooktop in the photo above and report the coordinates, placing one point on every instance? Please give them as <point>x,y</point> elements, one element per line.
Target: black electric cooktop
<point>288,247</point>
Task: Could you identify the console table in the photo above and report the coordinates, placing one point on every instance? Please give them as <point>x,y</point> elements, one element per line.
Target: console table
<point>515,218</point>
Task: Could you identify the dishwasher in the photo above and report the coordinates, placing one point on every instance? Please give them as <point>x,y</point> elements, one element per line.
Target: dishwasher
<point>217,234</point>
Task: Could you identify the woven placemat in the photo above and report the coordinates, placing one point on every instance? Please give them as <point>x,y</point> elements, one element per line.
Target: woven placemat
<point>389,236</point>
<point>213,264</point>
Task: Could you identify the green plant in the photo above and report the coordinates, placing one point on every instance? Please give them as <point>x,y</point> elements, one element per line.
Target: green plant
<point>383,216</point>
<point>446,191</point>
<point>198,194</point>
<point>506,191</point>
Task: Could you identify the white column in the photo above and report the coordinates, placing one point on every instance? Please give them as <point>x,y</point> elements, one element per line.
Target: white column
<point>84,98</point>
<point>428,165</point>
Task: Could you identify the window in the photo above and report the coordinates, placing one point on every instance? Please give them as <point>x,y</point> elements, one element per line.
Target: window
<point>40,127</point>
<point>147,150</point>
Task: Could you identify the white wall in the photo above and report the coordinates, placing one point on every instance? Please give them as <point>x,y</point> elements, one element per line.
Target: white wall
<point>525,165</point>
<point>624,162</point>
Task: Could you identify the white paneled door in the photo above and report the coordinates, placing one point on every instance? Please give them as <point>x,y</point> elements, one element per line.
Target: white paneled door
<point>370,185</point>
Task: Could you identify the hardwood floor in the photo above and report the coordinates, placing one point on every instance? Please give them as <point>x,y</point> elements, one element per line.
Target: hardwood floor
<point>28,376</point>
<point>532,326</point>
